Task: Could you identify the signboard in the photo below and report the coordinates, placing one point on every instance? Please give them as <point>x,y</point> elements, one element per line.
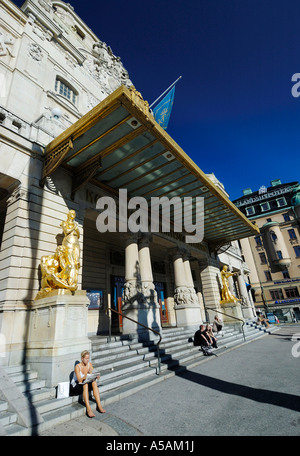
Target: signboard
<point>96,299</point>
<point>271,317</point>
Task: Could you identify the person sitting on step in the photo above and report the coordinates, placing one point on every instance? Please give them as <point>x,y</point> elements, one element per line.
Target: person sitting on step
<point>210,336</point>
<point>77,387</point>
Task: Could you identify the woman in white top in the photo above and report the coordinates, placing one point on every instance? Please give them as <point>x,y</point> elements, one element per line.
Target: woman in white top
<point>81,370</point>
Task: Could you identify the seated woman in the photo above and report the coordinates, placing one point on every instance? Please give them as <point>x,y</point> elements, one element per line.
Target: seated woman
<point>210,335</point>
<point>81,370</point>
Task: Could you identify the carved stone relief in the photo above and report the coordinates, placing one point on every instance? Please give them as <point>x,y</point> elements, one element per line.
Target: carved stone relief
<point>6,44</point>
<point>35,51</point>
<point>46,4</point>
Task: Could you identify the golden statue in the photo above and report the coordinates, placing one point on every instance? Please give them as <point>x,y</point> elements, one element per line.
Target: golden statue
<point>60,271</point>
<point>227,296</point>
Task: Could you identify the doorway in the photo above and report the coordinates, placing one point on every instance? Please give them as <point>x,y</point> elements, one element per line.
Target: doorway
<point>117,287</point>
<point>161,293</point>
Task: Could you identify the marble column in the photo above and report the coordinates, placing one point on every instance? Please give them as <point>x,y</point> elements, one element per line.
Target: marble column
<point>211,285</point>
<point>187,304</point>
<point>130,301</point>
<point>246,303</point>
<point>140,298</point>
<point>149,313</point>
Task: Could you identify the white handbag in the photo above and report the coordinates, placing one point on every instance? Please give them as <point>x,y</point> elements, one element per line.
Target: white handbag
<point>63,390</point>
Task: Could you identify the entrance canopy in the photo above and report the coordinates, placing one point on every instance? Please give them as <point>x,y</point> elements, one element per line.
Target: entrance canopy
<point>119,145</point>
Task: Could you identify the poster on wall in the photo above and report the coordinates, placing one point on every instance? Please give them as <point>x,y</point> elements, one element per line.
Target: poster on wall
<point>96,299</point>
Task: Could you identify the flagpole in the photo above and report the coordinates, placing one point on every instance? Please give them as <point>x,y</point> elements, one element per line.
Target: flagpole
<point>165,91</point>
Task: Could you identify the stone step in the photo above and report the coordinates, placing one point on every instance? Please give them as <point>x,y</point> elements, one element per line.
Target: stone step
<point>40,394</point>
<point>53,404</point>
<point>3,406</point>
<point>126,367</point>
<point>31,385</point>
<point>26,376</point>
<point>7,418</point>
<point>121,369</point>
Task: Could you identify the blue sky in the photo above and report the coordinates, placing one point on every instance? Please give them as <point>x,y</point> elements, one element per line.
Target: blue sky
<point>233,112</point>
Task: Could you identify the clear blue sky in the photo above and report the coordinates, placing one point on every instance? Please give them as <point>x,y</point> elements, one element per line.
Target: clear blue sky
<point>233,112</point>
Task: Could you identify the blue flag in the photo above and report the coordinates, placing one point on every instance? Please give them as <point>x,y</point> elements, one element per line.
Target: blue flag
<point>163,110</point>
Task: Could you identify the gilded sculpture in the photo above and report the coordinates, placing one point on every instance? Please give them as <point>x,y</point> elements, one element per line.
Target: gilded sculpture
<point>227,296</point>
<point>60,270</point>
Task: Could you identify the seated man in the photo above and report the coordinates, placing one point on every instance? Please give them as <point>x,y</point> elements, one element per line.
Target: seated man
<point>200,338</point>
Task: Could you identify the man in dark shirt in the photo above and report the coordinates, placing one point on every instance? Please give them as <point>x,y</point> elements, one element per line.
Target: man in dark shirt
<point>200,338</point>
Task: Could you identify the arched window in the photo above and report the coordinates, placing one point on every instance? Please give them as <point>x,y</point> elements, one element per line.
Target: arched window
<point>65,89</point>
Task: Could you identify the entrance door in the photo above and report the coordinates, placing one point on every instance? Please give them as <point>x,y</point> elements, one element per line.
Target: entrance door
<point>160,289</point>
<point>117,287</point>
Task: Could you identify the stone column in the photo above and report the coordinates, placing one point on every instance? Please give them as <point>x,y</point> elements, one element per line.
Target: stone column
<point>211,285</point>
<point>246,304</point>
<point>15,293</point>
<point>132,279</point>
<point>149,313</point>
<point>192,297</point>
<point>187,304</point>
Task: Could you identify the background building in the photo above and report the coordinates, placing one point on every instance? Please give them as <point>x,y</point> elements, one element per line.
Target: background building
<point>274,254</point>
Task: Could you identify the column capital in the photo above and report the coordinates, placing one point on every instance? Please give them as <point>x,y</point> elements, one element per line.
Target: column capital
<point>131,238</point>
<point>145,239</point>
<point>179,252</point>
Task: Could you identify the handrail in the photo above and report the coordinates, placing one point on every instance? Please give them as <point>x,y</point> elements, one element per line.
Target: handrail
<point>141,324</point>
<point>228,315</point>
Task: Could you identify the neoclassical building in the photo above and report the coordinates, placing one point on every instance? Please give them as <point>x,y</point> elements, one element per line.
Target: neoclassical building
<point>274,254</point>
<point>74,130</point>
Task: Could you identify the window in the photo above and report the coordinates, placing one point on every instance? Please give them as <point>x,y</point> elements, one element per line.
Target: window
<point>265,207</point>
<point>292,292</point>
<point>276,294</point>
<point>279,254</point>
<point>269,220</point>
<point>263,258</point>
<point>281,202</point>
<point>292,234</point>
<point>286,217</point>
<point>286,274</point>
<point>258,241</point>
<point>250,210</point>
<point>66,90</point>
<point>268,276</point>
<point>273,236</point>
<point>297,251</point>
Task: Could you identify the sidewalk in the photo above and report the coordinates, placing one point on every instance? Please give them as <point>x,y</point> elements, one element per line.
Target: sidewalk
<point>252,390</point>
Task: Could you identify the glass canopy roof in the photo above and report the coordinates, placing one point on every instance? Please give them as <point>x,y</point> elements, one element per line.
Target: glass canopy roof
<point>119,145</point>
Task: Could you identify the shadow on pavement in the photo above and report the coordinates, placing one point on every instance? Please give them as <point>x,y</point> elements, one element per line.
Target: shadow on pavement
<point>289,401</point>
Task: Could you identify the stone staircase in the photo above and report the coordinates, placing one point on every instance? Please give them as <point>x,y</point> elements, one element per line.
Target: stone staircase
<point>126,367</point>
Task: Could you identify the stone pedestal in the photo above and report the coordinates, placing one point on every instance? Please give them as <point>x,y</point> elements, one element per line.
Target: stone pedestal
<point>232,309</point>
<point>57,334</point>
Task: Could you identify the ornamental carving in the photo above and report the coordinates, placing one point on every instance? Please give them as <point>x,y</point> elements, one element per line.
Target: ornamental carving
<point>46,4</point>
<point>6,43</point>
<point>35,51</point>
